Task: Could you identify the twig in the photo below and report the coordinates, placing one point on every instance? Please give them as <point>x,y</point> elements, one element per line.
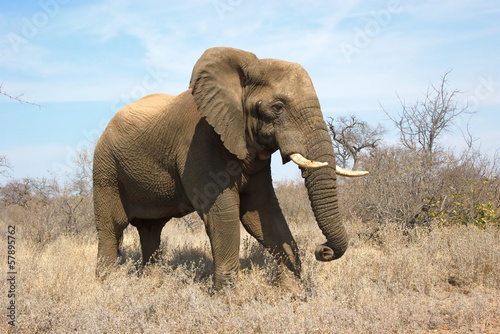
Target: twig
<point>17,98</point>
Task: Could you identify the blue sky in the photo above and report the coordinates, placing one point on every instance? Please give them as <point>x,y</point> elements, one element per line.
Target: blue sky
<point>82,60</point>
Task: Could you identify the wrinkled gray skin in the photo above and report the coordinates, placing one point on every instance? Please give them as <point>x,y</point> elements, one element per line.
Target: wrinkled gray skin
<point>208,150</point>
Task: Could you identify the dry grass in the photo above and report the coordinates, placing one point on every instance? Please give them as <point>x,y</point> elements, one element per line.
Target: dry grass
<point>440,280</point>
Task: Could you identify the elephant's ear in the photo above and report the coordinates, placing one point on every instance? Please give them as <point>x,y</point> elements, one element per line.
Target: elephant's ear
<point>217,84</point>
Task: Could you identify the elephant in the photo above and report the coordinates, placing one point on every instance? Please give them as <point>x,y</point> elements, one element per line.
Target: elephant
<point>209,150</point>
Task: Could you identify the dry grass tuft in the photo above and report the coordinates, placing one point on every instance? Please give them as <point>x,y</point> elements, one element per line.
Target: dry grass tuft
<point>443,279</point>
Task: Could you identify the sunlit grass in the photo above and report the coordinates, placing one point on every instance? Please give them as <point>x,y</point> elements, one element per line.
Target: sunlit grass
<point>441,279</point>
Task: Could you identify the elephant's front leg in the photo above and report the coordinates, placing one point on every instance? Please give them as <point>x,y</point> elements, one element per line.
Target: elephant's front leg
<point>223,228</point>
<point>262,217</point>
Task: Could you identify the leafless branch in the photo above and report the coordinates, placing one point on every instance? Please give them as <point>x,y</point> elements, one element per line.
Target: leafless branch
<point>4,166</point>
<point>468,138</point>
<point>17,98</point>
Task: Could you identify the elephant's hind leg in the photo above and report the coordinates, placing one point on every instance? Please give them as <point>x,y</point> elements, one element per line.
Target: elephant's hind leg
<point>150,235</point>
<point>110,222</point>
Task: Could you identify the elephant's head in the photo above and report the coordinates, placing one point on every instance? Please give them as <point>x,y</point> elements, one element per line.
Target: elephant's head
<point>264,105</point>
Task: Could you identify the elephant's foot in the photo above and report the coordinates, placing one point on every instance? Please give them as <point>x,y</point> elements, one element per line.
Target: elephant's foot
<point>155,274</point>
<point>289,259</point>
<point>225,280</point>
<point>289,281</point>
<point>103,269</point>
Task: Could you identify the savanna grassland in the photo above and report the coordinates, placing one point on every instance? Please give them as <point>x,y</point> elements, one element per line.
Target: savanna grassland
<point>427,279</point>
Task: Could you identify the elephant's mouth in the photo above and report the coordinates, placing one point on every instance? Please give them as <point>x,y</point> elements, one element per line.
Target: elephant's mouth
<point>256,148</point>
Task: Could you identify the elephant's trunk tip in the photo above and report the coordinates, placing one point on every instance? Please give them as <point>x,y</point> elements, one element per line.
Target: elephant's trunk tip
<point>326,253</point>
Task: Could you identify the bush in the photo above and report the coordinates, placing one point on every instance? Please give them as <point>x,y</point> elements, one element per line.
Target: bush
<point>413,188</point>
<point>44,210</point>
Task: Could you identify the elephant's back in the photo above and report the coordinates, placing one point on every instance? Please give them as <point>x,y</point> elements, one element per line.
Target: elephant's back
<point>142,113</point>
<point>136,120</point>
<point>151,126</point>
<point>152,102</point>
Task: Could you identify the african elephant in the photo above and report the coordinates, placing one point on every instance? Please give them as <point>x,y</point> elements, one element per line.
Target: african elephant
<point>208,150</point>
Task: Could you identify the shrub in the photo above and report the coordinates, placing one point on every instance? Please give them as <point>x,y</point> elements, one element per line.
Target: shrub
<point>413,188</point>
<point>44,210</point>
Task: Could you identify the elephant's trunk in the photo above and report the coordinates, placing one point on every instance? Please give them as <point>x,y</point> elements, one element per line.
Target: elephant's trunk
<point>322,189</point>
<point>306,141</point>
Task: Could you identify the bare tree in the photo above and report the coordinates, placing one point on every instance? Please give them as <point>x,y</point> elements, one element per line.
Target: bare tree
<point>421,124</point>
<point>81,181</point>
<point>4,166</point>
<point>18,192</point>
<point>351,136</point>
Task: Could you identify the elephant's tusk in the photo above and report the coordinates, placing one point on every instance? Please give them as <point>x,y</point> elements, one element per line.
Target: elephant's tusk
<point>349,173</point>
<point>306,163</point>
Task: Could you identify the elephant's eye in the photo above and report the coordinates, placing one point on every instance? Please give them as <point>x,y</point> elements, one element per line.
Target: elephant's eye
<point>278,108</point>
